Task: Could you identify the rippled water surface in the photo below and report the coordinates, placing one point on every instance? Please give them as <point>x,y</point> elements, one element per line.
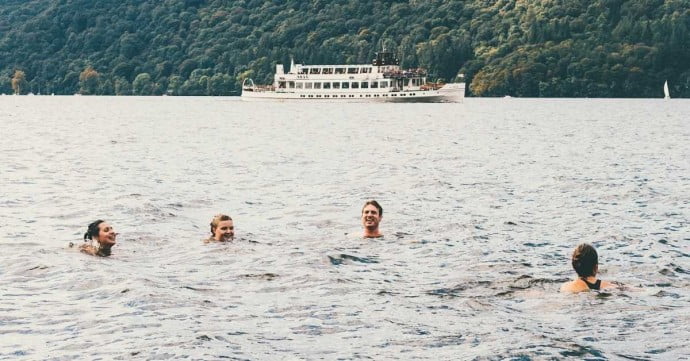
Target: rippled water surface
<point>483,204</point>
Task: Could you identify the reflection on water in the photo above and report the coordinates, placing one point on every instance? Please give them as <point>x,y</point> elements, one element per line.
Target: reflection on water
<point>483,203</point>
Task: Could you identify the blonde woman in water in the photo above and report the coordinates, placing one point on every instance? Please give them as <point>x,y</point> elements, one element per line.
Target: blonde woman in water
<point>222,229</point>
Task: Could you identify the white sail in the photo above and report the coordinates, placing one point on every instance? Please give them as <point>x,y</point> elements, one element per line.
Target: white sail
<point>666,94</point>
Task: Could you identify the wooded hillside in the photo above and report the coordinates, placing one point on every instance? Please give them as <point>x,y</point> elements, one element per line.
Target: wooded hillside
<point>536,48</point>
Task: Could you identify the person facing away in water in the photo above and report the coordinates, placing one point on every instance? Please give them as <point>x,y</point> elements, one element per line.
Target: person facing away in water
<point>586,263</point>
<point>104,235</point>
<point>222,229</point>
<point>372,212</point>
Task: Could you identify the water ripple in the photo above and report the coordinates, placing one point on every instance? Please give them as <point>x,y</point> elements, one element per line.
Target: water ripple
<point>483,203</point>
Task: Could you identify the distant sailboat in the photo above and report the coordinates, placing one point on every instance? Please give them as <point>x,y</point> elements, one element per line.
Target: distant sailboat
<point>666,94</point>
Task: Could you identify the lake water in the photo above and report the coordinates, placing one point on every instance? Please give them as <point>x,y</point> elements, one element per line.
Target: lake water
<point>483,204</point>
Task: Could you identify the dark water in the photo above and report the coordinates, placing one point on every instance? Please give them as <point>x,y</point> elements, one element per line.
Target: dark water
<point>483,204</point>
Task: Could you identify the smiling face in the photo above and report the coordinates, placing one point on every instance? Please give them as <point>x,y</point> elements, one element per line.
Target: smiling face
<point>371,217</point>
<point>224,231</point>
<point>106,234</point>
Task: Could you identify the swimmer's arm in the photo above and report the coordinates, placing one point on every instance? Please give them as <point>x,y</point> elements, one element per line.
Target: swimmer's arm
<point>88,249</point>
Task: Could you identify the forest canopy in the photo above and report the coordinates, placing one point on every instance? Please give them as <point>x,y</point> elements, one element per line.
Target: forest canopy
<point>540,48</point>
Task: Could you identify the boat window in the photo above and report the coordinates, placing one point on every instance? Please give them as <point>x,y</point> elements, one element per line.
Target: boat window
<point>365,84</point>
<point>326,85</point>
<point>300,85</point>
<point>352,70</point>
<point>336,85</point>
<point>355,85</point>
<point>384,84</point>
<point>340,70</point>
<point>281,85</point>
<point>303,71</point>
<point>291,84</point>
<point>315,71</point>
<point>317,85</point>
<point>374,84</point>
<point>327,71</point>
<point>346,85</point>
<point>307,85</point>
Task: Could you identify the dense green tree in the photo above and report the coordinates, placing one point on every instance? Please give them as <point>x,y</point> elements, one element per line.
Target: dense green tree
<point>5,84</point>
<point>122,86</point>
<point>221,84</point>
<point>142,85</point>
<point>174,84</point>
<point>106,87</point>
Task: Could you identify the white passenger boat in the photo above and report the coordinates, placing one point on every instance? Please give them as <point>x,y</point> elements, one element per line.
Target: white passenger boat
<point>383,80</point>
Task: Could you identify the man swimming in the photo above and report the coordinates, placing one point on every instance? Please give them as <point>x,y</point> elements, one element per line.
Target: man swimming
<point>372,212</point>
<point>222,229</point>
<point>586,263</point>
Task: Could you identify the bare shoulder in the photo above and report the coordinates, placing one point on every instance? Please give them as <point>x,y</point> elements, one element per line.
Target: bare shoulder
<point>567,287</point>
<point>573,287</point>
<point>88,249</point>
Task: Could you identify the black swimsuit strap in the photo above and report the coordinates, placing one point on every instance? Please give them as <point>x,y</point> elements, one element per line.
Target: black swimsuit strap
<point>592,286</point>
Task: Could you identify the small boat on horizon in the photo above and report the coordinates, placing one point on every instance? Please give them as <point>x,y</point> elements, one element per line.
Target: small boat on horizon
<point>667,95</point>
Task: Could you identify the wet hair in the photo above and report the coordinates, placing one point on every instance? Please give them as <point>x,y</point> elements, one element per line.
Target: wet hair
<point>93,230</point>
<point>217,219</point>
<point>585,260</point>
<point>375,204</point>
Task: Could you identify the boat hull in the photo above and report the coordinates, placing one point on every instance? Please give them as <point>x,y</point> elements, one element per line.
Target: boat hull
<point>454,92</point>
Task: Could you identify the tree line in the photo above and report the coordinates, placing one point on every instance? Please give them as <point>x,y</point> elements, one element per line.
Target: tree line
<point>540,48</point>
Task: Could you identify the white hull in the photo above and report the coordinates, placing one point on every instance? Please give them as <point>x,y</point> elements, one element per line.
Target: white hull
<point>454,92</point>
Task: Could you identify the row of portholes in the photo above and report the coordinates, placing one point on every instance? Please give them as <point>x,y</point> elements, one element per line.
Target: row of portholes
<point>354,96</point>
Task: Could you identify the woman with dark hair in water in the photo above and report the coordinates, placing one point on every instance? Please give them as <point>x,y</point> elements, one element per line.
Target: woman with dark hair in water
<point>103,234</point>
<point>586,263</point>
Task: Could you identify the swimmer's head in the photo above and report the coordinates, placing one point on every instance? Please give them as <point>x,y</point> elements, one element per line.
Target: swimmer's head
<point>101,232</point>
<point>222,228</point>
<point>372,212</point>
<point>375,204</point>
<point>585,260</point>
